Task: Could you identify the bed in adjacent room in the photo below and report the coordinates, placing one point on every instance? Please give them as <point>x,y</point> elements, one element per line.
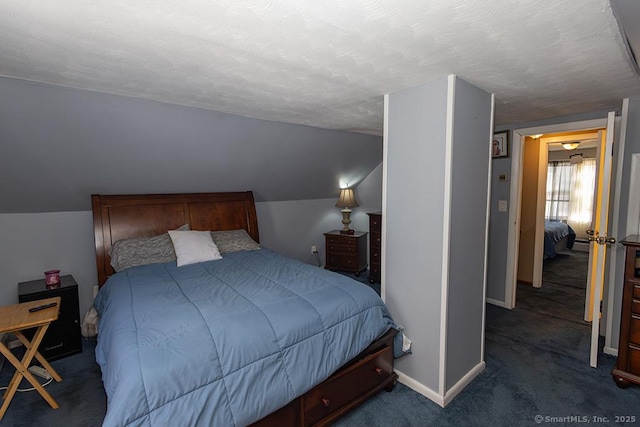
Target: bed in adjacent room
<point>558,236</point>
<point>246,336</point>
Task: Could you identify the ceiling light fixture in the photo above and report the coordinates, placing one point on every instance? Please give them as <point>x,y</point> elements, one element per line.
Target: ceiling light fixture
<point>570,145</point>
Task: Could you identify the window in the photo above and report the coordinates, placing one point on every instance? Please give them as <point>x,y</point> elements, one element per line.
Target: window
<point>558,191</point>
<point>570,189</point>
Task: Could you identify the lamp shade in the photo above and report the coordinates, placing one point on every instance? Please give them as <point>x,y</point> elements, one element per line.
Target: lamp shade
<point>347,199</point>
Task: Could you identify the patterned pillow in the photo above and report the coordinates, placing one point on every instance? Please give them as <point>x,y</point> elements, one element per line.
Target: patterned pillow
<point>127,253</point>
<point>234,241</point>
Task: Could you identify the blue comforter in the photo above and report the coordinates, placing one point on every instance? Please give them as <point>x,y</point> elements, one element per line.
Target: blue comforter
<point>554,231</point>
<point>226,342</point>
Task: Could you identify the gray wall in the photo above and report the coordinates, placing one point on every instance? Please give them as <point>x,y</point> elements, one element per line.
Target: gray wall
<point>33,243</point>
<point>632,145</point>
<point>470,180</point>
<point>59,145</point>
<point>436,207</point>
<point>498,230</point>
<point>414,216</point>
<point>306,221</point>
<point>36,242</point>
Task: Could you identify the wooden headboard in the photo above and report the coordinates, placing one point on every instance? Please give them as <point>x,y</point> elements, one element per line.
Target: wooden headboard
<point>145,215</point>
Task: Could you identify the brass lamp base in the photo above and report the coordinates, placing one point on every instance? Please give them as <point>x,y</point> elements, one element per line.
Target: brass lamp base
<point>346,220</point>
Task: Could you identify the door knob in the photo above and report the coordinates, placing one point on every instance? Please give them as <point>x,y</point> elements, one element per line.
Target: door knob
<point>601,240</point>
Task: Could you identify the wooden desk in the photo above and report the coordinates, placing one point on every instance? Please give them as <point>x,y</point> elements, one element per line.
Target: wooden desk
<point>16,318</point>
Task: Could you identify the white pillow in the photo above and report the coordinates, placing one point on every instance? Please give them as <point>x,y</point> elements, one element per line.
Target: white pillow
<point>193,246</point>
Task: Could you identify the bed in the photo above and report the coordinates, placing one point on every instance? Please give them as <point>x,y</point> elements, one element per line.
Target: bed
<point>252,338</point>
<point>558,236</point>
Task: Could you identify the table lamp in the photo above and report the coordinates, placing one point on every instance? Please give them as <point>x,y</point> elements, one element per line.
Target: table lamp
<point>346,201</point>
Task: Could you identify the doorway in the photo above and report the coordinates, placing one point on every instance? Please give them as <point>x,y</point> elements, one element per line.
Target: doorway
<point>597,262</point>
<point>559,174</point>
<point>558,181</point>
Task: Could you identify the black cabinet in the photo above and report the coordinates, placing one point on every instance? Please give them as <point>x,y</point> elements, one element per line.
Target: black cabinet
<point>63,337</point>
<point>375,246</point>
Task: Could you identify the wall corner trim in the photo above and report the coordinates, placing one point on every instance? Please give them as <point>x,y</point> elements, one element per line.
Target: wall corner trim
<point>435,397</point>
<point>446,229</point>
<point>418,387</point>
<point>464,381</point>
<point>611,351</point>
<point>498,303</point>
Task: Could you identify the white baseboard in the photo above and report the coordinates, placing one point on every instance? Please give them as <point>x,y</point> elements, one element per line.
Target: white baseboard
<point>496,302</point>
<point>449,395</point>
<point>464,381</point>
<point>610,350</point>
<point>420,388</point>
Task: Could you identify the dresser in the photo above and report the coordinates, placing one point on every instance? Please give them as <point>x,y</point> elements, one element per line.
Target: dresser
<point>346,252</point>
<point>63,337</point>
<point>375,246</point>
<point>627,369</point>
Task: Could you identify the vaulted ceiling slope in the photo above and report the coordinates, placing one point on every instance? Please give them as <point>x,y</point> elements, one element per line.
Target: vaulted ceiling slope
<point>60,145</point>
<point>324,63</point>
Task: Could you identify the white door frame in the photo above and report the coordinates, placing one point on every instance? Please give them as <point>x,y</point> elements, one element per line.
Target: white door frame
<point>621,131</point>
<point>513,237</point>
<point>515,192</point>
<point>601,227</point>
<point>538,247</point>
<point>543,166</point>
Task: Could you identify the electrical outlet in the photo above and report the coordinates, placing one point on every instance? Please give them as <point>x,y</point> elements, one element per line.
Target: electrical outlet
<point>314,249</point>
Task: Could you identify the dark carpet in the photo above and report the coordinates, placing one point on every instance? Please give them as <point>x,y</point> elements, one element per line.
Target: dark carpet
<point>80,394</point>
<point>536,365</point>
<point>568,268</point>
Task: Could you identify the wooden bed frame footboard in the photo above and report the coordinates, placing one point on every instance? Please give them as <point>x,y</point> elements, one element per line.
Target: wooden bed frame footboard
<point>118,217</point>
<point>352,385</point>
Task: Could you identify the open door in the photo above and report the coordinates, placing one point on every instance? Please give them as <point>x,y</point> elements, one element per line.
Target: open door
<point>599,240</point>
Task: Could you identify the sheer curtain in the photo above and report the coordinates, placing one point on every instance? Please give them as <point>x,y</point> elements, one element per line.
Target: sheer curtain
<point>583,183</point>
<point>558,191</point>
<point>570,189</point>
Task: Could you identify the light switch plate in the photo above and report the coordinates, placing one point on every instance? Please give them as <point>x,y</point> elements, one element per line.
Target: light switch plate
<point>502,205</point>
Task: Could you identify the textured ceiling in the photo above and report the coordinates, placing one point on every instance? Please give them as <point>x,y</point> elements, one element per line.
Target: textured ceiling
<point>323,63</point>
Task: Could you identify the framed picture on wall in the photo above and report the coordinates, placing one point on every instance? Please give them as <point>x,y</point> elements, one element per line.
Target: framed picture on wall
<point>500,144</point>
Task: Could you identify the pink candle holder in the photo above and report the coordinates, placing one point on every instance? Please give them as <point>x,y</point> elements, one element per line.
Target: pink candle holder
<point>52,278</point>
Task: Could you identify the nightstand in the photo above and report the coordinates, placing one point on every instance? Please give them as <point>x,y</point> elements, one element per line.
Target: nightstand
<point>346,252</point>
<point>63,337</point>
